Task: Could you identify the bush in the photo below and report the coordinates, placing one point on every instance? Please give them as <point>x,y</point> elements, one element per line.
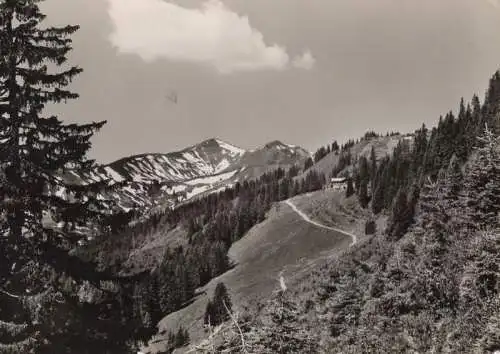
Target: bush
<point>219,307</point>
<point>370,227</point>
<point>177,340</point>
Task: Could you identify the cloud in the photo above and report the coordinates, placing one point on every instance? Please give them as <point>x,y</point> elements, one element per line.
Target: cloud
<point>210,35</point>
<point>306,61</point>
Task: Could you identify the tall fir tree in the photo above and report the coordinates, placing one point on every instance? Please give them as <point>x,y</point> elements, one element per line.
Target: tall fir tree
<point>363,197</point>
<point>373,168</point>
<point>218,309</point>
<point>378,192</point>
<point>308,163</point>
<point>491,107</point>
<point>280,330</point>
<point>401,217</point>
<point>460,143</point>
<point>433,215</point>
<point>350,188</point>
<point>482,182</point>
<point>364,179</point>
<point>418,151</point>
<point>453,183</point>
<point>36,153</point>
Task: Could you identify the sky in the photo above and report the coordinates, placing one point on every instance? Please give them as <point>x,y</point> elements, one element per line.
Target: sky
<point>305,72</point>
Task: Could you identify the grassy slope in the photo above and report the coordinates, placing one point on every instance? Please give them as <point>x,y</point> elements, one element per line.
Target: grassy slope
<point>413,295</point>
<point>283,242</point>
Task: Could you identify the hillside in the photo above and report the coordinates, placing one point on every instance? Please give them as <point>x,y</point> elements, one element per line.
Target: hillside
<point>284,244</point>
<point>434,289</point>
<point>425,278</point>
<point>383,145</point>
<point>256,264</point>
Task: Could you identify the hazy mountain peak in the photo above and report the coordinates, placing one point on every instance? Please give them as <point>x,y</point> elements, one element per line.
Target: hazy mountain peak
<point>275,143</point>
<point>216,143</point>
<point>207,166</point>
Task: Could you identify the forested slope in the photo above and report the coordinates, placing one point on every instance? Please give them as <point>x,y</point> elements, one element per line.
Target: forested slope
<point>430,281</point>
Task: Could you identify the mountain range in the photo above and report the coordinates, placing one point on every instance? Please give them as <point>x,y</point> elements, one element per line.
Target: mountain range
<point>161,180</point>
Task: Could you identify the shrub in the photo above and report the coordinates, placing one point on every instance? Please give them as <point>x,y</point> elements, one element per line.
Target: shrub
<point>370,227</point>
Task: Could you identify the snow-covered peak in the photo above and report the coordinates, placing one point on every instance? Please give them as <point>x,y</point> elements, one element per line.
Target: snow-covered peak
<point>159,180</point>
<point>234,150</point>
<point>275,144</point>
<point>218,144</point>
<point>286,148</point>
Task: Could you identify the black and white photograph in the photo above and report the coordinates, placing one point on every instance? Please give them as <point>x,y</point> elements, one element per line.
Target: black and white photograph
<point>249,176</point>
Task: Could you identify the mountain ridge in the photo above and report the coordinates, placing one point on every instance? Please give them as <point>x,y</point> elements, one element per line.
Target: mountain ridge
<point>162,180</point>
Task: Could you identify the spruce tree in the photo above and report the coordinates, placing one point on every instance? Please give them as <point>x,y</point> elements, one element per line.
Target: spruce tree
<point>208,318</point>
<point>142,304</point>
<point>364,170</point>
<point>430,163</point>
<point>491,106</point>
<point>281,330</point>
<point>181,338</point>
<point>36,153</point>
<point>222,303</point>
<point>373,168</point>
<point>219,307</point>
<point>453,183</point>
<point>460,149</point>
<point>308,164</point>
<point>378,192</point>
<point>401,215</point>
<point>350,188</point>
<point>364,199</point>
<point>482,183</point>
<point>433,217</point>
<point>284,189</point>
<point>370,227</point>
<point>413,201</point>
<point>418,151</point>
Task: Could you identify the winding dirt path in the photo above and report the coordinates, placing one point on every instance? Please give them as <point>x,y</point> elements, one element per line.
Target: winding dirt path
<point>307,219</point>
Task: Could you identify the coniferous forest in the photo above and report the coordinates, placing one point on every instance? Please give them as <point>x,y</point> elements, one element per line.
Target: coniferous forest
<point>432,271</point>
<point>429,281</point>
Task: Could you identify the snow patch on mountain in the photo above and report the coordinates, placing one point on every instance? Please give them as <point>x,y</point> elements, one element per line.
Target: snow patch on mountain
<point>223,188</point>
<point>113,174</point>
<point>155,180</point>
<point>196,191</point>
<point>224,164</point>
<point>212,179</point>
<point>235,151</point>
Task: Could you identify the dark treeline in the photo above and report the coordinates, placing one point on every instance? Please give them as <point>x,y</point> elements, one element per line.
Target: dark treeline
<point>325,150</point>
<point>336,148</point>
<point>393,183</point>
<point>344,148</point>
